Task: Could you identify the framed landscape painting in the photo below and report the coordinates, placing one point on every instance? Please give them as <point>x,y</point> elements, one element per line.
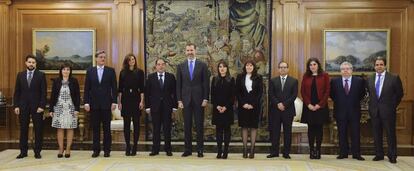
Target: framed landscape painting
<point>53,47</point>
<point>360,47</point>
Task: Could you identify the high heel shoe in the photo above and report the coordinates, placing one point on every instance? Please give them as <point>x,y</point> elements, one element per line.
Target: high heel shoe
<point>251,156</point>
<point>59,155</point>
<point>244,152</point>
<point>318,154</point>
<point>134,150</point>
<point>67,155</point>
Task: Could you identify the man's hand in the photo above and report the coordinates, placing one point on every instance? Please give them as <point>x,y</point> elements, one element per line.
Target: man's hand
<point>180,105</point>
<point>204,104</point>
<point>17,111</point>
<point>281,107</point>
<point>119,106</point>
<point>141,105</point>
<point>317,107</point>
<point>113,107</point>
<point>39,110</point>
<point>87,107</point>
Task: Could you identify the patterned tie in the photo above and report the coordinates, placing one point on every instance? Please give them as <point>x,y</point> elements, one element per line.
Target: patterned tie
<point>191,69</point>
<point>283,83</point>
<point>377,86</point>
<point>29,77</point>
<point>346,87</point>
<point>161,82</point>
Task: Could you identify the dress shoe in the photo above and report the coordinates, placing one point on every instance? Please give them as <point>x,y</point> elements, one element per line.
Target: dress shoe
<point>251,155</point>
<point>272,155</point>
<point>127,150</point>
<point>244,152</point>
<point>219,155</point>
<point>37,156</point>
<point>21,155</point>
<point>169,153</point>
<point>377,158</point>
<point>67,155</point>
<point>134,150</point>
<point>186,154</point>
<point>107,155</point>
<point>224,156</point>
<point>200,154</point>
<point>341,156</point>
<point>360,158</point>
<point>318,154</point>
<point>95,154</point>
<point>312,154</point>
<point>393,160</point>
<point>153,153</point>
<point>59,155</point>
<point>286,156</point>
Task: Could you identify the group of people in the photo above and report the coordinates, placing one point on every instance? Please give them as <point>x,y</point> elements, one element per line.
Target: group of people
<point>191,90</point>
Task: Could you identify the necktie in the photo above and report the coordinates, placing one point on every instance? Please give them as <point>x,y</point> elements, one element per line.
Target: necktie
<point>161,82</point>
<point>377,86</point>
<point>100,74</point>
<point>283,82</point>
<point>191,69</point>
<point>346,87</point>
<point>29,77</point>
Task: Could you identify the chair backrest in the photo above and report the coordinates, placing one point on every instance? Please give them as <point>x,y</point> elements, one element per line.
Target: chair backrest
<point>298,108</point>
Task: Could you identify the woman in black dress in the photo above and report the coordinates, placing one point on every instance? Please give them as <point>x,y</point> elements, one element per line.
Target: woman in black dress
<point>249,87</point>
<point>222,98</point>
<point>131,100</point>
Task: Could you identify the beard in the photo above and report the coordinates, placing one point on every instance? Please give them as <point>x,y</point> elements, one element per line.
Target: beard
<point>30,68</point>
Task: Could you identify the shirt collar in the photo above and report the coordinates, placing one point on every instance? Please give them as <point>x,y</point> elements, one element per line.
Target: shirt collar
<point>284,77</point>
<point>188,60</point>
<point>382,74</point>
<point>159,73</point>
<point>98,67</point>
<point>349,79</point>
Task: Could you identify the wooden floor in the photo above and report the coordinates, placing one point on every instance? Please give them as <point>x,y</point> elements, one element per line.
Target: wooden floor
<point>81,160</point>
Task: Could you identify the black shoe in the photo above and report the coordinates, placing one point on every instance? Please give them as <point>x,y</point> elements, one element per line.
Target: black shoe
<point>153,153</point>
<point>393,160</point>
<point>134,150</point>
<point>21,155</point>
<point>37,156</point>
<point>286,156</point>
<point>59,155</point>
<point>200,154</point>
<point>360,158</point>
<point>378,158</point>
<point>67,155</point>
<point>342,156</point>
<point>107,155</point>
<point>169,153</point>
<point>272,155</point>
<point>318,154</point>
<point>95,154</point>
<point>312,154</point>
<point>224,156</point>
<point>219,155</point>
<point>244,153</point>
<point>186,154</point>
<point>251,155</point>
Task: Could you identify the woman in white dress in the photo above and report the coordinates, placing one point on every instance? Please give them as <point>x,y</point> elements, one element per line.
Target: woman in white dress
<point>64,107</point>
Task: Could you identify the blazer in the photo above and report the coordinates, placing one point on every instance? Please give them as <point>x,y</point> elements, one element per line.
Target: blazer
<point>33,97</point>
<point>100,95</point>
<point>322,85</point>
<point>197,89</point>
<point>347,106</point>
<point>74,93</point>
<point>154,93</point>
<point>131,87</point>
<point>254,97</point>
<point>287,96</point>
<point>391,95</point>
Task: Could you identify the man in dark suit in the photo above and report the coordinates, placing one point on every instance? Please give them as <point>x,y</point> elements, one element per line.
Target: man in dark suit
<point>100,99</point>
<point>193,83</point>
<point>283,91</point>
<point>385,94</point>
<point>30,100</point>
<point>161,98</point>
<point>347,92</point>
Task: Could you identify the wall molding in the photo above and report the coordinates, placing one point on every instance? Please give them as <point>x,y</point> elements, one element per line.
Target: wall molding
<point>131,2</point>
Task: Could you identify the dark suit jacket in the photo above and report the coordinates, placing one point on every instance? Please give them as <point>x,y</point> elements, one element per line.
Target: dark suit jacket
<point>391,95</point>
<point>287,96</point>
<point>100,95</point>
<point>323,89</point>
<point>33,97</point>
<point>74,93</point>
<point>347,106</point>
<point>154,93</point>
<point>197,89</point>
<point>254,97</point>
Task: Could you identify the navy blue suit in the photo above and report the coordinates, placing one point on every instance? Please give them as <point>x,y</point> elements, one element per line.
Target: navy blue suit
<point>347,112</point>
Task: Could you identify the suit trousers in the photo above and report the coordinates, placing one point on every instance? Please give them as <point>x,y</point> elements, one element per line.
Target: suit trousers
<point>388,125</point>
<point>196,111</point>
<point>354,126</point>
<point>286,121</point>
<point>161,118</point>
<point>98,117</point>
<point>24,119</point>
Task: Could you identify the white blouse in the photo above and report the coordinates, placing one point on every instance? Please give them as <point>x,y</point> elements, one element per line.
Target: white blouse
<point>248,83</point>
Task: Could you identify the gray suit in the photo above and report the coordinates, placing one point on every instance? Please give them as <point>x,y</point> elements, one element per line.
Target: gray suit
<point>383,111</point>
<point>192,93</point>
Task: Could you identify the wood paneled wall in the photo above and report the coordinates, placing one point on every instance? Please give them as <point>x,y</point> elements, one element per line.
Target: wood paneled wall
<point>296,26</point>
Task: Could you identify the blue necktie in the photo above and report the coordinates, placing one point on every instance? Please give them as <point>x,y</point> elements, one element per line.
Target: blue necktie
<point>377,86</point>
<point>100,72</point>
<point>191,69</point>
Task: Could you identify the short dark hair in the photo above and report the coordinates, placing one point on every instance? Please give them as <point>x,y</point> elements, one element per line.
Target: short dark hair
<point>283,62</point>
<point>99,52</point>
<point>156,61</point>
<point>380,58</point>
<point>191,44</point>
<point>65,65</point>
<point>31,56</point>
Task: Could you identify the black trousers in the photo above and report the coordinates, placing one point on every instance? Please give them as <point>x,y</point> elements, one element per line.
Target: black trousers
<point>278,121</point>
<point>161,118</point>
<point>194,110</point>
<point>388,125</point>
<point>315,132</point>
<point>343,125</point>
<point>24,119</point>
<point>127,128</point>
<point>98,117</point>
<point>223,134</point>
